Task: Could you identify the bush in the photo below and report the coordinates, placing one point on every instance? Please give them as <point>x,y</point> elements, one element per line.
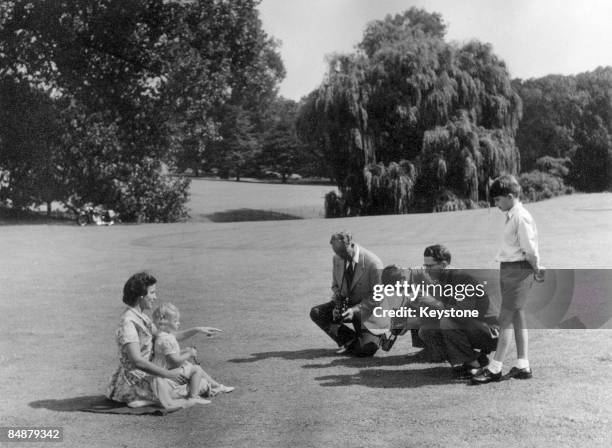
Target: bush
<point>537,185</point>
<point>447,201</point>
<point>557,167</point>
<point>150,194</point>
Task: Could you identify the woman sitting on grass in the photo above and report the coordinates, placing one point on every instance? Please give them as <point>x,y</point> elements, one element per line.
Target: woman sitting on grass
<point>132,382</point>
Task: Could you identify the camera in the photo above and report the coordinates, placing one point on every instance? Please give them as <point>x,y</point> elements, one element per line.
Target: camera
<point>340,307</point>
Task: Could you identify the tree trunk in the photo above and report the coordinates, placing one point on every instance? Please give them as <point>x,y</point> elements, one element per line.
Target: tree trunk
<point>48,209</point>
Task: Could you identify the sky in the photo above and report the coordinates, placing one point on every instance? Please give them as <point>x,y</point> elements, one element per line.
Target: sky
<point>534,37</point>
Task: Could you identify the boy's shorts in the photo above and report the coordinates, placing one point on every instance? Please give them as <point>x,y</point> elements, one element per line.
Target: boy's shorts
<point>515,279</point>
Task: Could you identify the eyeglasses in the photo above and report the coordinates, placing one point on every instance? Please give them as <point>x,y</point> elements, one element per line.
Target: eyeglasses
<point>430,265</point>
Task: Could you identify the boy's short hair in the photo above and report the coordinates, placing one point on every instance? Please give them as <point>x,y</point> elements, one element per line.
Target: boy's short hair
<point>392,274</point>
<point>438,252</point>
<point>137,287</point>
<point>163,313</point>
<point>504,185</point>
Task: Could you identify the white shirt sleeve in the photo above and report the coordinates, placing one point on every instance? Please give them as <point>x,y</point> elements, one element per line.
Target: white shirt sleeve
<point>528,236</point>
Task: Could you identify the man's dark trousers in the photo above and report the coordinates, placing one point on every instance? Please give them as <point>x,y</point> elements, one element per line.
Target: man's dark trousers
<point>462,337</point>
<point>364,342</point>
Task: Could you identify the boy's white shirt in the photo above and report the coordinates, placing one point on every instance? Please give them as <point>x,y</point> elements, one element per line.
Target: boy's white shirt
<point>520,238</point>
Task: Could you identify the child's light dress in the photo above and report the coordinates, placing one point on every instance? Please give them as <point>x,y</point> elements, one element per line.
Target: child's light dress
<point>166,344</point>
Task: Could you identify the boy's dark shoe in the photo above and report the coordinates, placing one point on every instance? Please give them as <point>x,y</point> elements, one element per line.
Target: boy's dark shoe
<point>519,374</point>
<point>486,376</point>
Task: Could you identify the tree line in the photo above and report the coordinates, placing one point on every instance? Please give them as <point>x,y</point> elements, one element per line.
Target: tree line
<point>410,122</point>
<point>104,101</point>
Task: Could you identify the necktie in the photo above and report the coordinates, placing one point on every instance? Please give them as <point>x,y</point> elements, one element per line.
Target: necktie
<point>349,272</point>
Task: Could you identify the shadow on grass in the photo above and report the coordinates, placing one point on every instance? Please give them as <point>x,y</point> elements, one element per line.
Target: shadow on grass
<point>73,404</point>
<point>312,353</point>
<point>381,378</point>
<point>389,361</point>
<point>20,217</point>
<point>248,214</point>
<point>97,404</point>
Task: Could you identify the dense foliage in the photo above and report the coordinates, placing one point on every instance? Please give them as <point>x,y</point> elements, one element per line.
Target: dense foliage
<point>410,120</point>
<point>570,117</point>
<point>547,180</point>
<point>130,88</point>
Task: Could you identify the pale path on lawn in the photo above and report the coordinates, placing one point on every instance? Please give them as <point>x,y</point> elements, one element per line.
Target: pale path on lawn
<point>60,303</point>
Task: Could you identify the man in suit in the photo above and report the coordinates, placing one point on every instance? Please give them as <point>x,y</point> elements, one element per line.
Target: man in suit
<point>355,272</point>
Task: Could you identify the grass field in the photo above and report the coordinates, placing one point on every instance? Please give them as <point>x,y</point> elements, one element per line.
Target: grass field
<point>210,197</point>
<point>60,302</point>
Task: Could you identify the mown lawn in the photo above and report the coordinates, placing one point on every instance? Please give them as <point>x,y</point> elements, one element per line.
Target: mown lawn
<point>60,302</point>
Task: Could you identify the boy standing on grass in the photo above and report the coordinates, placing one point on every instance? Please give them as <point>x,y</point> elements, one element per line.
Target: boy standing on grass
<point>519,265</point>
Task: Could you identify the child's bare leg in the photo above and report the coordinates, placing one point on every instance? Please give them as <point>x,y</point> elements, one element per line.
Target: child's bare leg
<point>215,386</point>
<point>194,383</point>
<point>209,378</point>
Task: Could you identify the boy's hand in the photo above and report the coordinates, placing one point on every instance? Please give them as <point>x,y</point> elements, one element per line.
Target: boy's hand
<point>540,275</point>
<point>209,331</point>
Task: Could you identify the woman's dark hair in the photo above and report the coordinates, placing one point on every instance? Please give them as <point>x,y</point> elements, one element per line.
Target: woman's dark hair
<point>438,252</point>
<point>136,287</point>
<point>391,275</point>
<point>504,185</point>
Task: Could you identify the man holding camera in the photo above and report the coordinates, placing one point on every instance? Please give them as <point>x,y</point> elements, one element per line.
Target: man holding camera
<point>355,272</point>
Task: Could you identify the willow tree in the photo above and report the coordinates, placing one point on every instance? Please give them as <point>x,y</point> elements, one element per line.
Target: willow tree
<point>438,117</point>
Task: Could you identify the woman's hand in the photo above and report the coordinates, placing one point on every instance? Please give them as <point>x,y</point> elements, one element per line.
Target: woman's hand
<point>177,376</point>
<point>208,331</point>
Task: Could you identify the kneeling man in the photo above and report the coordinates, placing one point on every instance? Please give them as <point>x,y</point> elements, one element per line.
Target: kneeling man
<point>355,273</point>
<point>467,325</point>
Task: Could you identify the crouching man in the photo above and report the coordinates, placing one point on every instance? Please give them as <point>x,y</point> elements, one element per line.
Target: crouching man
<point>355,273</point>
<point>467,326</point>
